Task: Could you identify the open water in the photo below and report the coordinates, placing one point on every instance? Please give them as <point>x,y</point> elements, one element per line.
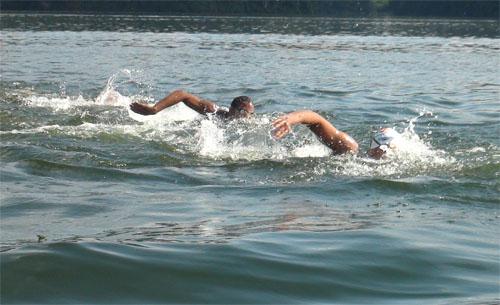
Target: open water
<point>101,205</point>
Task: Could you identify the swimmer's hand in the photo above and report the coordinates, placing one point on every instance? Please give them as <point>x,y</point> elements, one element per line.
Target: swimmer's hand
<point>283,125</point>
<point>142,108</point>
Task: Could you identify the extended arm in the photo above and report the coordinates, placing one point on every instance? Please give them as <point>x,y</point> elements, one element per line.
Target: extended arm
<point>192,101</point>
<point>338,141</point>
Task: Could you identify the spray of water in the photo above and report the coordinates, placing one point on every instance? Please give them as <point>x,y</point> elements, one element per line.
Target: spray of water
<point>412,155</point>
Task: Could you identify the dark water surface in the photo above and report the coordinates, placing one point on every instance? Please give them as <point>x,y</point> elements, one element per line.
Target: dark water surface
<point>101,205</point>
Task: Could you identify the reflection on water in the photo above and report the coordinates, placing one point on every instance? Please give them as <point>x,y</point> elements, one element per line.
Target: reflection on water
<point>217,229</point>
<point>253,25</point>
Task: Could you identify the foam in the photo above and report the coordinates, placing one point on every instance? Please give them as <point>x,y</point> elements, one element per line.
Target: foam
<point>311,151</point>
<point>41,129</point>
<point>57,103</point>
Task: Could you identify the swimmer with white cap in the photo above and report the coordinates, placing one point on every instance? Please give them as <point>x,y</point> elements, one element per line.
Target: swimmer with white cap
<point>338,141</point>
<point>382,141</point>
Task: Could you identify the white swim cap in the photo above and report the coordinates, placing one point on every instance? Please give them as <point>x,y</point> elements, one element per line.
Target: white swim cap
<point>383,138</point>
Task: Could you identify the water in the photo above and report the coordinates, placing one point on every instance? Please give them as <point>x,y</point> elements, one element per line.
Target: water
<point>101,205</point>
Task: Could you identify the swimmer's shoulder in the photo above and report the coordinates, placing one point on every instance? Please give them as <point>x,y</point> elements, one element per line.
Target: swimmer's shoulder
<point>221,112</point>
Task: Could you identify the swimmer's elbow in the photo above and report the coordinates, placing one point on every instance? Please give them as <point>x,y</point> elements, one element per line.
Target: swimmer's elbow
<point>354,148</point>
<point>350,146</point>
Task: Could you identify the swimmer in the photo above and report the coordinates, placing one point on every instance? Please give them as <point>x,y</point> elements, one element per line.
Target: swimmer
<point>241,106</point>
<point>338,141</point>
<point>382,141</point>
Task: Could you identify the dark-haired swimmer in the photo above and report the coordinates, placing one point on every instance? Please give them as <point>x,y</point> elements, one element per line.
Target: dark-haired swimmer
<point>241,106</point>
<point>338,141</point>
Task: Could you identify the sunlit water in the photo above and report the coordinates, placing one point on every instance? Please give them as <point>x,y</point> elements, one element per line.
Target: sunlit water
<point>102,205</point>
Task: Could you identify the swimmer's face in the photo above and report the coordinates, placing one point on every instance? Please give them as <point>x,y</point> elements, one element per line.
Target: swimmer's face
<point>382,141</point>
<point>244,110</point>
<point>376,153</point>
<point>241,107</point>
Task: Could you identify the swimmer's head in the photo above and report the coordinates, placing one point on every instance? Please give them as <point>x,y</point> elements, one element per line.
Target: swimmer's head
<point>242,106</point>
<point>382,141</point>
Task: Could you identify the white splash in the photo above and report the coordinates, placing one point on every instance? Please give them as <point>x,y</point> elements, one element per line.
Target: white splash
<point>210,138</point>
<point>57,103</point>
<point>112,98</point>
<point>412,155</point>
<point>109,96</point>
<point>311,151</point>
<point>477,149</point>
<point>41,129</point>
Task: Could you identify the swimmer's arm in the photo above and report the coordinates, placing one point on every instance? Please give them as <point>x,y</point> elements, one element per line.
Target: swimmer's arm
<point>192,101</point>
<point>338,141</point>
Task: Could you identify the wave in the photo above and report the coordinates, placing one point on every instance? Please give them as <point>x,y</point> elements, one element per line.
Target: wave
<point>352,267</point>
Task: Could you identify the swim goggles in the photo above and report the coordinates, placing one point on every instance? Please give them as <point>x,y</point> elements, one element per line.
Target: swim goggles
<point>382,139</point>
